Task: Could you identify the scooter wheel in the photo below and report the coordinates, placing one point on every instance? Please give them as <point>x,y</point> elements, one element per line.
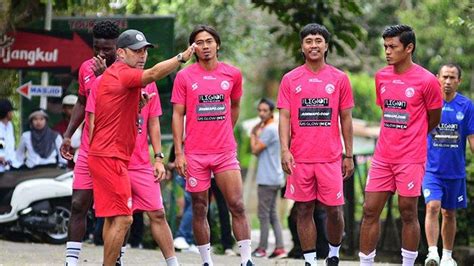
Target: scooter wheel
<point>61,211</point>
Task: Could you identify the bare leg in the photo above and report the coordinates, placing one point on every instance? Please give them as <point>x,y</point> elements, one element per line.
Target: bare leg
<point>448,228</point>
<point>335,224</point>
<point>408,207</point>
<point>161,232</point>
<point>370,228</point>
<point>115,229</point>
<point>432,223</point>
<point>80,203</point>
<point>200,223</point>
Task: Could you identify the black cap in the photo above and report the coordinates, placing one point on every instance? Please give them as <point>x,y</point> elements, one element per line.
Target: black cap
<point>133,39</point>
<point>5,107</point>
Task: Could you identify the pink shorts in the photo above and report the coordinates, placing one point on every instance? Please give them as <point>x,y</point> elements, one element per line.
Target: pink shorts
<point>146,193</point>
<point>82,178</point>
<point>321,181</point>
<point>405,178</point>
<point>200,167</point>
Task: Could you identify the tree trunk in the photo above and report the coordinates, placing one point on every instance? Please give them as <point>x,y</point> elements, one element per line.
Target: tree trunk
<point>5,8</point>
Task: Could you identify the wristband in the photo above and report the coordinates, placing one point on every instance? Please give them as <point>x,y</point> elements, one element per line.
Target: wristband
<point>347,157</point>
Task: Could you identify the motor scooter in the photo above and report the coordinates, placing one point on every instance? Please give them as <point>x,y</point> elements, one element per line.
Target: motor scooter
<point>36,203</point>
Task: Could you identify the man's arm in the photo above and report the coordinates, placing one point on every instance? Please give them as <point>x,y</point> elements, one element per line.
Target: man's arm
<point>77,117</point>
<point>155,136</point>
<point>434,117</point>
<point>91,126</point>
<point>177,125</point>
<point>470,138</point>
<point>164,68</point>
<point>287,160</point>
<point>347,135</point>
<point>256,145</point>
<point>234,110</point>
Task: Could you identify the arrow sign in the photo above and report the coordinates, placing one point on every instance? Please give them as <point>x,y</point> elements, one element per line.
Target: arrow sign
<point>43,51</point>
<point>28,90</point>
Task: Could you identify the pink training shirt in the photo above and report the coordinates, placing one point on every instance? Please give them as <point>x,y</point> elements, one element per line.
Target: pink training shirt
<point>86,80</point>
<point>207,96</point>
<point>405,100</point>
<point>140,157</point>
<point>315,101</point>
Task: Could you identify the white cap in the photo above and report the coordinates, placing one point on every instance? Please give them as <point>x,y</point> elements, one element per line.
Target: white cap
<point>70,99</point>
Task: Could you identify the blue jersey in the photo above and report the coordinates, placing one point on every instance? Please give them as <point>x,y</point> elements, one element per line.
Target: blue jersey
<point>447,142</point>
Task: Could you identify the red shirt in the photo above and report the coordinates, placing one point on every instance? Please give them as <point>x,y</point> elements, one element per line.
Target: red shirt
<point>405,100</point>
<point>116,112</point>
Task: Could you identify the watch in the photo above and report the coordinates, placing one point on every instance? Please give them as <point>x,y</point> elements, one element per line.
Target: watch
<point>159,155</point>
<point>180,58</point>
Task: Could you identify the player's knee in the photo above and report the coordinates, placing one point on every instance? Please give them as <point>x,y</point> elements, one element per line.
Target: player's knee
<point>304,211</point>
<point>236,207</point>
<point>335,214</point>
<point>449,214</point>
<point>199,209</point>
<point>409,216</point>
<point>433,209</point>
<point>79,207</point>
<point>370,214</point>
<point>157,216</point>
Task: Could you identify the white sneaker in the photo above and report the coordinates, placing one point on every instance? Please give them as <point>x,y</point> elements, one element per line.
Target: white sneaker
<point>432,259</point>
<point>230,252</point>
<point>448,262</point>
<point>192,249</point>
<point>180,243</point>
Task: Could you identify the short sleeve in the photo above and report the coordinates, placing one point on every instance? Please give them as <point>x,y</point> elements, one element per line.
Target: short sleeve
<point>346,99</point>
<point>131,78</point>
<point>179,90</point>
<point>378,99</point>
<point>432,94</point>
<point>91,100</point>
<point>269,135</point>
<point>470,119</point>
<point>283,101</point>
<point>155,104</point>
<point>85,77</point>
<point>237,89</point>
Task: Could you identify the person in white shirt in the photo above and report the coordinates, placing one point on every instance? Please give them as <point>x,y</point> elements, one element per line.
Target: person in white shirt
<point>39,146</point>
<point>7,137</point>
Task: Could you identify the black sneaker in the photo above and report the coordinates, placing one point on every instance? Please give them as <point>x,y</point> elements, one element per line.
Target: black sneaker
<point>332,261</point>
<point>307,264</point>
<point>248,263</point>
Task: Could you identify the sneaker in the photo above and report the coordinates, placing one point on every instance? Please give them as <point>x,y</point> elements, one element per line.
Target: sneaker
<point>248,263</point>
<point>296,253</point>
<point>192,249</point>
<point>332,261</point>
<point>432,259</point>
<point>205,264</point>
<point>180,243</point>
<point>278,253</point>
<point>448,262</point>
<point>259,253</point>
<point>307,264</point>
<point>229,252</point>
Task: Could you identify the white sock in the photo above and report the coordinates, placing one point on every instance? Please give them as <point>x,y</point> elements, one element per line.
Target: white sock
<point>172,261</point>
<point>447,254</point>
<point>73,249</point>
<point>245,250</point>
<point>409,257</point>
<point>121,255</point>
<point>367,260</point>
<point>433,249</point>
<point>334,250</point>
<point>205,251</point>
<point>310,257</point>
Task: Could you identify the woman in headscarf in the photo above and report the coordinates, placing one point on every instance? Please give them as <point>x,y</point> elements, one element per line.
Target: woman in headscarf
<point>40,145</point>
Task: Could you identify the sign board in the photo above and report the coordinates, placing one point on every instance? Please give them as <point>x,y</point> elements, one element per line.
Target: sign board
<point>43,50</point>
<point>28,90</point>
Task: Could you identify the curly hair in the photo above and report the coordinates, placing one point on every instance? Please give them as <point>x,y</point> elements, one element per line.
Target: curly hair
<point>105,29</point>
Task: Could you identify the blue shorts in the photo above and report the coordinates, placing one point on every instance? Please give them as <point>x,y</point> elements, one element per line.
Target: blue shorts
<point>451,192</point>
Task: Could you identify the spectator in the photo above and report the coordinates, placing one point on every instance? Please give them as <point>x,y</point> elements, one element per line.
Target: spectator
<point>40,145</point>
<point>7,137</point>
<point>68,104</point>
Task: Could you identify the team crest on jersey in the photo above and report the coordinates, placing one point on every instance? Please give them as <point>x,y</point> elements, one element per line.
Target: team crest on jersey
<point>192,182</point>
<point>426,192</point>
<point>459,116</point>
<point>225,85</point>
<point>330,88</point>
<point>409,92</point>
<point>298,89</point>
<point>194,86</point>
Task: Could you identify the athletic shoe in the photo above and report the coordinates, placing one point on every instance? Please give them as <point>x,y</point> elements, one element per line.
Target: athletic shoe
<point>229,252</point>
<point>180,243</point>
<point>332,261</point>
<point>248,263</point>
<point>307,264</point>
<point>432,259</point>
<point>278,253</point>
<point>296,253</point>
<point>259,253</point>
<point>448,262</point>
<point>192,249</point>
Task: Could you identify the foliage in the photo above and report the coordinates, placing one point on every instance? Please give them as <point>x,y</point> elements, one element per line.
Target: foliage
<point>363,87</point>
<point>337,16</point>
<point>443,29</point>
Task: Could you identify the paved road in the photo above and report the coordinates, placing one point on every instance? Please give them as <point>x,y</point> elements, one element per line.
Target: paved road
<point>14,253</point>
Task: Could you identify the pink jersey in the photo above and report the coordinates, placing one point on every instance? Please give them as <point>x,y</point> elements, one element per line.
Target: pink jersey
<point>86,77</point>
<point>315,101</point>
<point>405,100</point>
<point>140,157</point>
<point>207,97</point>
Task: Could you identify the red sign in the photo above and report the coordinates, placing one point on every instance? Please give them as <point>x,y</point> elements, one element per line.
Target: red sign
<point>28,50</point>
